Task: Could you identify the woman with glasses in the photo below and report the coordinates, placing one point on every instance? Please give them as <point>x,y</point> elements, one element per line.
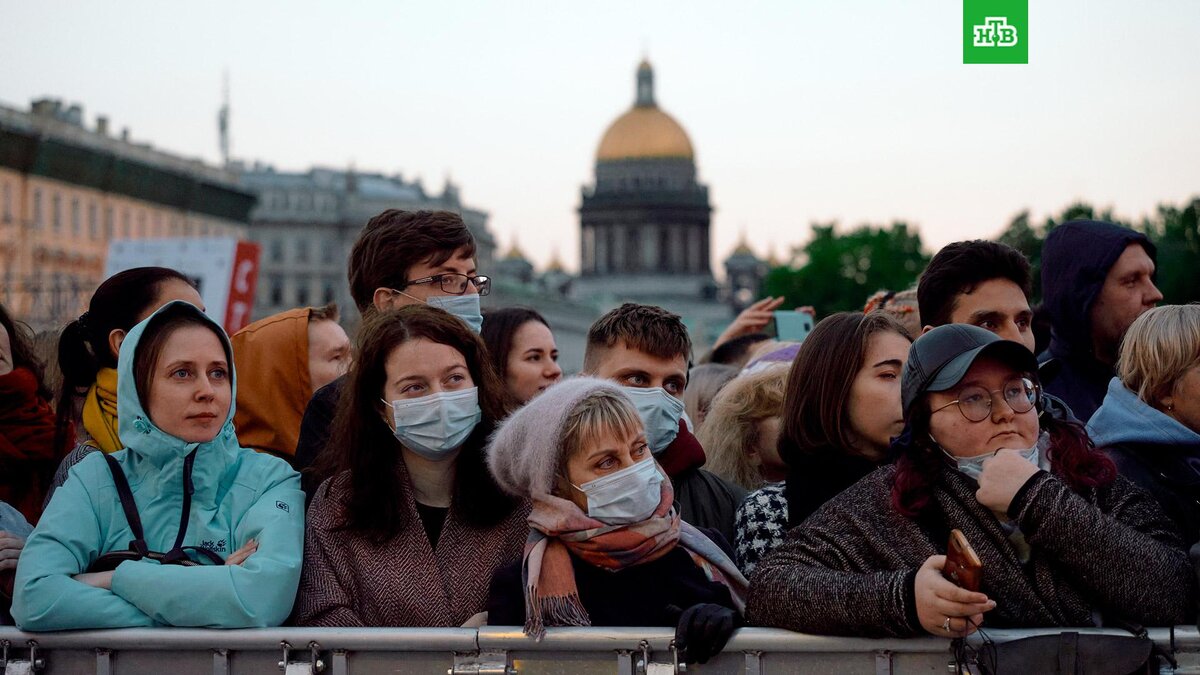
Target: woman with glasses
<point>1062,539</point>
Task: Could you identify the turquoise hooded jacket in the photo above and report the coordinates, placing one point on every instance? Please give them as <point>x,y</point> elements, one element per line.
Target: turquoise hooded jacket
<point>238,495</point>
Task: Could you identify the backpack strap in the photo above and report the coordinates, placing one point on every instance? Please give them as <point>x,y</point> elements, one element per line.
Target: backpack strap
<point>177,552</point>
<point>127,505</point>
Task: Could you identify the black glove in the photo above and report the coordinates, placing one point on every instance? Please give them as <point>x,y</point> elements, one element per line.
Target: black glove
<point>703,630</point>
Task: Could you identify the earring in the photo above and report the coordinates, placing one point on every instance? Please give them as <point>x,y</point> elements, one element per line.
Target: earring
<point>1170,407</point>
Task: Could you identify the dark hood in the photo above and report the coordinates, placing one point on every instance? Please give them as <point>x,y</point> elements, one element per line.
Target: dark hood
<point>1076,257</point>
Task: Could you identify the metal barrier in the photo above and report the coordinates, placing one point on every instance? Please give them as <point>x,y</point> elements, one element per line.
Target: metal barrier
<point>492,651</point>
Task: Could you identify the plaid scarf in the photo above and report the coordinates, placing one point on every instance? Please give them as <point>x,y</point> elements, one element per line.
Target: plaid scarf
<point>558,528</point>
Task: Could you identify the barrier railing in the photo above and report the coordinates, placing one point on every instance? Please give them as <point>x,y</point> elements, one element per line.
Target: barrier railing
<point>495,651</point>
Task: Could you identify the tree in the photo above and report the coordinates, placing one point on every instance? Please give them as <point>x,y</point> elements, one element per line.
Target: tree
<point>840,272</point>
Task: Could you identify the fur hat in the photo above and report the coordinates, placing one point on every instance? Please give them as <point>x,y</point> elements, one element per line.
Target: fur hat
<point>525,451</point>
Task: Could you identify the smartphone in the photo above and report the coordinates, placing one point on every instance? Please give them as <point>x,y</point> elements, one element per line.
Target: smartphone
<point>963,566</point>
<point>789,326</point>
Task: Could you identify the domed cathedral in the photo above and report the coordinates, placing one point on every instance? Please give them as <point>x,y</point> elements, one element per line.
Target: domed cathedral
<point>645,222</point>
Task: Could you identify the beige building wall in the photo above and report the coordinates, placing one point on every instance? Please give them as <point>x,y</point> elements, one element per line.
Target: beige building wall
<point>54,239</point>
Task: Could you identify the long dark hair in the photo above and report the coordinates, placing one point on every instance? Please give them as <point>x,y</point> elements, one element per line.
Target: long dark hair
<point>919,465</point>
<point>20,340</point>
<point>499,327</point>
<point>363,445</point>
<point>816,415</point>
<point>83,344</point>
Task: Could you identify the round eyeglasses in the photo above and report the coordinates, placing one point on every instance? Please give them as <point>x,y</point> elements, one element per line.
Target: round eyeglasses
<point>975,403</point>
<point>455,284</point>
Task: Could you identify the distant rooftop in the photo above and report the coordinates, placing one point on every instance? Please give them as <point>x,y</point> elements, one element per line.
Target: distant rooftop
<point>50,117</point>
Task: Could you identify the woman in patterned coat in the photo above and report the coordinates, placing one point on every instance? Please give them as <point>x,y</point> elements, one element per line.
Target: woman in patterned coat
<point>1063,540</point>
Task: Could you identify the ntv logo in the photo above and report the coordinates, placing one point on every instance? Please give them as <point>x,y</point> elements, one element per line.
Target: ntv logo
<point>987,24</point>
<point>995,32</point>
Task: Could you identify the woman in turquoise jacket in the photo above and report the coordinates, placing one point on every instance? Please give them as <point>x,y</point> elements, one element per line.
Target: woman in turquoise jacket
<point>176,388</point>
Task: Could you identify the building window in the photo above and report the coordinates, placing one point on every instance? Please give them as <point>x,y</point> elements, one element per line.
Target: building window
<point>330,293</point>
<point>276,250</point>
<point>37,208</point>
<point>56,212</point>
<point>93,221</point>
<point>276,292</point>
<point>108,222</point>
<point>302,250</point>
<point>158,225</point>
<point>75,219</point>
<point>328,251</point>
<point>142,224</point>
<point>126,226</point>
<point>302,295</point>
<point>7,202</point>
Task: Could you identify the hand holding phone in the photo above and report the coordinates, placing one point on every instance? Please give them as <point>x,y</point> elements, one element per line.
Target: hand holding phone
<point>963,566</point>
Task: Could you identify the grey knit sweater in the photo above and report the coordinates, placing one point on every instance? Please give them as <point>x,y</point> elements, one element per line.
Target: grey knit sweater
<point>849,568</point>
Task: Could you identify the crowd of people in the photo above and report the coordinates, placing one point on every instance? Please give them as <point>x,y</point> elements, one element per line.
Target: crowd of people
<point>441,470</point>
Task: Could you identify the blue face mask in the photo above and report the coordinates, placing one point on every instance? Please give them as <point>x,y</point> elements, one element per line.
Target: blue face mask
<point>973,466</point>
<point>465,307</point>
<point>660,413</point>
<point>434,426</point>
<point>630,495</point>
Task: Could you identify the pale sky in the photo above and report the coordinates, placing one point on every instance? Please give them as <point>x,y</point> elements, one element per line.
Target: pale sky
<point>799,111</point>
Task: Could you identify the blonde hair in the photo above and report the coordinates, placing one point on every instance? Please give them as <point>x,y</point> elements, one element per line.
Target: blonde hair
<point>596,415</point>
<point>1160,346</point>
<point>732,423</point>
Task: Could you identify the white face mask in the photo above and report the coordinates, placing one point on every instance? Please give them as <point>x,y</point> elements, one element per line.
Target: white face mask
<point>630,495</point>
<point>660,413</point>
<point>435,425</point>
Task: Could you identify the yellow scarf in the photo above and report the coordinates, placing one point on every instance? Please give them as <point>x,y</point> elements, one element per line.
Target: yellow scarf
<point>100,411</point>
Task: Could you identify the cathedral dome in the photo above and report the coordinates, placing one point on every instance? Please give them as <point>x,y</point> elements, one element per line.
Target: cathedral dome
<point>645,131</point>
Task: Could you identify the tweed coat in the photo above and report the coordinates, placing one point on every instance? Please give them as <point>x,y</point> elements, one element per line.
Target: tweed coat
<point>348,580</point>
<point>849,568</point>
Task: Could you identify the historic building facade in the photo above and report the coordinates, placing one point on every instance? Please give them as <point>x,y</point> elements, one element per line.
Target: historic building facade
<point>66,191</point>
<point>645,222</point>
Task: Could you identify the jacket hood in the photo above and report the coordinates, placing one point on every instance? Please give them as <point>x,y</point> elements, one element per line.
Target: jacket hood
<point>273,353</point>
<point>1076,257</point>
<point>139,434</point>
<point>1125,418</point>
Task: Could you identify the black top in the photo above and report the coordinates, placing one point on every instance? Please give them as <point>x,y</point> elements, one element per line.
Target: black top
<point>817,476</point>
<point>432,518</point>
<point>314,433</point>
<point>635,596</point>
<point>1171,474</point>
<point>707,501</point>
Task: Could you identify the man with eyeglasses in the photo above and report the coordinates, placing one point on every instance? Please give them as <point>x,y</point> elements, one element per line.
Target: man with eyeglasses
<point>400,258</point>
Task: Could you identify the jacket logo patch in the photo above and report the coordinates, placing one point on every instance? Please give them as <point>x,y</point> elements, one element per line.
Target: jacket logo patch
<point>211,545</point>
<point>282,506</point>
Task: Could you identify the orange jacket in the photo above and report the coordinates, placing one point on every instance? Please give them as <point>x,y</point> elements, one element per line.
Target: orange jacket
<point>271,356</point>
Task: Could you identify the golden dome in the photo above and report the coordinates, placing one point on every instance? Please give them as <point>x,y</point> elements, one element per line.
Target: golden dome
<point>645,131</point>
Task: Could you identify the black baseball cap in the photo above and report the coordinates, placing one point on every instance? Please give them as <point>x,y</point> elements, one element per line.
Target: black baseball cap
<point>939,359</point>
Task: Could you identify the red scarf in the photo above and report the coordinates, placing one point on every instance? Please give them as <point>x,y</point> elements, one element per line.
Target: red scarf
<point>683,453</point>
<point>559,528</point>
<point>28,457</point>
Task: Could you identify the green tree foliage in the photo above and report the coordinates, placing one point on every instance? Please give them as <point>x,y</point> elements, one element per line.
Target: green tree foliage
<point>840,271</point>
<point>1173,230</point>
